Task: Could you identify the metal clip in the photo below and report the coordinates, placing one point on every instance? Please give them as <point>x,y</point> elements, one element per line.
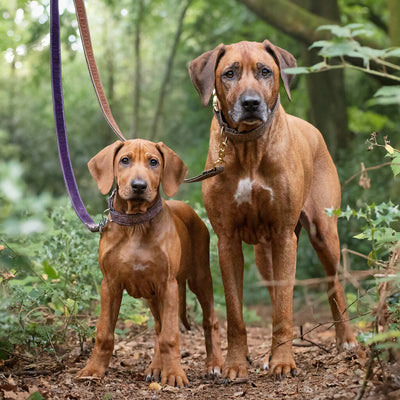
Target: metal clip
<point>104,220</point>
<point>215,101</point>
<point>221,151</point>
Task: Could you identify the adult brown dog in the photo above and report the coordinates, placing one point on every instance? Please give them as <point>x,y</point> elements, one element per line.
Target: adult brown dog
<point>151,247</point>
<point>278,178</point>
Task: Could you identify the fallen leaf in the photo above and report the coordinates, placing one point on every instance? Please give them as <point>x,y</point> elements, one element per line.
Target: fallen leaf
<point>154,386</point>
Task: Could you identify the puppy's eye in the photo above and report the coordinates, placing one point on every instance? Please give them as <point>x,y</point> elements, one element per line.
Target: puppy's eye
<point>229,74</point>
<point>153,162</point>
<point>124,160</point>
<point>266,72</point>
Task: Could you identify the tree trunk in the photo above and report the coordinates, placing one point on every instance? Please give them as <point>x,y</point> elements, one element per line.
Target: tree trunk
<point>167,74</point>
<point>328,108</point>
<point>135,128</point>
<point>394,25</point>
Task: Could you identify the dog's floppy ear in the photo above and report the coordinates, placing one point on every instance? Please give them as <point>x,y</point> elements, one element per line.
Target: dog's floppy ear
<point>101,166</point>
<point>202,72</point>
<point>174,170</point>
<point>284,60</point>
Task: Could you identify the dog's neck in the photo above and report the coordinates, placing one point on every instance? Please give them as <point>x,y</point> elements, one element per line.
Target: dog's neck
<point>129,213</point>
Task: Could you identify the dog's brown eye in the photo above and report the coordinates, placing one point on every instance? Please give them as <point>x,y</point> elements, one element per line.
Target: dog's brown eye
<point>125,160</point>
<point>153,162</point>
<point>229,74</point>
<point>265,72</point>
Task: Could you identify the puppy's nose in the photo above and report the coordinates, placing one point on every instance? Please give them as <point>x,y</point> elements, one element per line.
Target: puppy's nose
<point>250,101</point>
<point>139,185</point>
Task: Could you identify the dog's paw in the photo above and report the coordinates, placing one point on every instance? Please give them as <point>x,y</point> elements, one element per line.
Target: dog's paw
<point>174,377</point>
<point>235,371</point>
<point>214,367</point>
<point>213,372</point>
<point>90,372</point>
<point>153,374</point>
<point>281,365</point>
<point>348,345</point>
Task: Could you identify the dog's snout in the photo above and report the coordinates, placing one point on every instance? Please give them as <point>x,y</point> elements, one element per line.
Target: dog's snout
<point>250,101</point>
<point>139,185</point>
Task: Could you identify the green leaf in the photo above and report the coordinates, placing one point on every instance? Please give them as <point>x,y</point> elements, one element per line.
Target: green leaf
<point>395,165</point>
<point>393,53</point>
<point>35,396</point>
<point>318,66</point>
<point>386,95</point>
<point>50,271</point>
<point>297,70</point>
<point>320,43</point>
<point>339,31</point>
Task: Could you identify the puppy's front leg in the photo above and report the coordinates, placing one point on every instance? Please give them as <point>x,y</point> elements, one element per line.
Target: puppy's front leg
<point>168,340</point>
<point>110,303</point>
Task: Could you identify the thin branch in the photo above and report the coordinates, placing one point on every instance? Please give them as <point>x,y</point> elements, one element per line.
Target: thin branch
<point>365,170</point>
<point>368,375</point>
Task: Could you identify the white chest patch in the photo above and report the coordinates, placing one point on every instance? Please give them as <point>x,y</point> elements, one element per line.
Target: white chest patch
<point>244,191</point>
<point>139,267</point>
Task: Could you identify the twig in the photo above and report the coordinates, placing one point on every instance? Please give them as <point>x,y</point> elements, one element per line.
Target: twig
<point>30,372</point>
<point>10,353</point>
<point>365,170</point>
<point>368,375</point>
<point>310,341</point>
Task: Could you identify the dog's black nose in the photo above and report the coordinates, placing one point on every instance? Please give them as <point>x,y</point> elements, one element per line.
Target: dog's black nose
<point>139,185</point>
<point>250,102</point>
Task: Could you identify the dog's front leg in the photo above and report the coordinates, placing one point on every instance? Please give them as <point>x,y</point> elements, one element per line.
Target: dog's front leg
<point>232,264</point>
<point>168,339</point>
<point>284,248</point>
<point>111,297</point>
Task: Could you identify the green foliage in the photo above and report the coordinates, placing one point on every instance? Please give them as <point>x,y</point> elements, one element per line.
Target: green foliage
<point>49,284</point>
<point>344,46</point>
<point>378,229</point>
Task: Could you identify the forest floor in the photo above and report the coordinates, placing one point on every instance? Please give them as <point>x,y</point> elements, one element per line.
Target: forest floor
<point>322,372</point>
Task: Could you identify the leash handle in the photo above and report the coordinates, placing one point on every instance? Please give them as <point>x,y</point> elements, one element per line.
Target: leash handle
<point>58,105</point>
<point>92,67</point>
<point>209,173</point>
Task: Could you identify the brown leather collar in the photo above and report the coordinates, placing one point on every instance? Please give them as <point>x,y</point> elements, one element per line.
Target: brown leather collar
<point>245,136</point>
<point>133,219</point>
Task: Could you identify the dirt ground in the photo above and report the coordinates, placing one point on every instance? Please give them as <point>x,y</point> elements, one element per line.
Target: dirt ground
<point>322,372</point>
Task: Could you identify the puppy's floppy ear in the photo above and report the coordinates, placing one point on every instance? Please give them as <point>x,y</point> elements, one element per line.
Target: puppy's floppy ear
<point>101,166</point>
<point>284,60</point>
<point>202,72</point>
<point>174,170</point>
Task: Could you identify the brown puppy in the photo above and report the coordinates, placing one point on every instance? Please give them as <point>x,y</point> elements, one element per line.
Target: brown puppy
<point>278,178</point>
<point>151,247</point>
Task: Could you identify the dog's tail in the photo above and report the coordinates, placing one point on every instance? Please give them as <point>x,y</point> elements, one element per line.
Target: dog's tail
<point>182,305</point>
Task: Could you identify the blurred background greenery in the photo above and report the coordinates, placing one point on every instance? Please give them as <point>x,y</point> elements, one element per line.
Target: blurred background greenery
<point>48,261</point>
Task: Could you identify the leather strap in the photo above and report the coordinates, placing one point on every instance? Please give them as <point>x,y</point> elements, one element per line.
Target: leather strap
<point>58,104</point>
<point>133,219</point>
<point>209,173</point>
<point>92,67</point>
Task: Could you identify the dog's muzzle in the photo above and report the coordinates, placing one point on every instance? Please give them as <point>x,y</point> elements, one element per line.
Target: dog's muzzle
<point>250,107</point>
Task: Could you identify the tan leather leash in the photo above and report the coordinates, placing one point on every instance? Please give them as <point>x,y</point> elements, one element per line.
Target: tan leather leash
<point>98,87</point>
<point>92,67</point>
